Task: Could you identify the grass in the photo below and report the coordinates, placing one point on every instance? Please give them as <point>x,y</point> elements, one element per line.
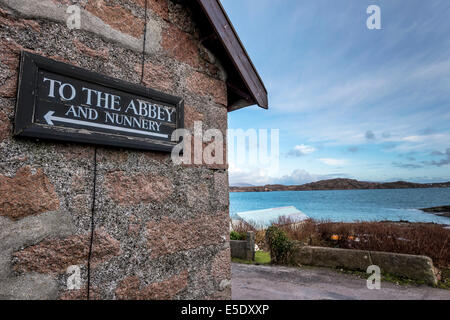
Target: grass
<point>261,258</point>
<point>445,279</point>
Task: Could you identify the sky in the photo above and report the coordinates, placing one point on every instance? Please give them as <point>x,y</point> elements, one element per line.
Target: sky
<point>349,102</point>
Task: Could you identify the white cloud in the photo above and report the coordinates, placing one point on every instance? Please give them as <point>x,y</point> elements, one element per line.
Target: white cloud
<point>384,100</point>
<point>251,175</point>
<point>333,162</point>
<point>305,149</point>
<point>301,150</point>
<point>259,177</point>
<point>420,142</point>
<point>298,176</point>
<point>424,138</point>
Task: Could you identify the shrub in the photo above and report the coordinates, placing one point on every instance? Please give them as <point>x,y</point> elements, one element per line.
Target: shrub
<point>237,235</point>
<point>242,227</point>
<point>427,239</point>
<point>306,232</point>
<point>281,247</point>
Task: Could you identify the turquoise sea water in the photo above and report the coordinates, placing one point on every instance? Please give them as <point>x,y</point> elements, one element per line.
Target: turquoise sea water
<point>350,205</point>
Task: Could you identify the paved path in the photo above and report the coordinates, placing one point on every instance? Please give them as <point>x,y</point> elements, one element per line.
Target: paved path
<point>250,282</point>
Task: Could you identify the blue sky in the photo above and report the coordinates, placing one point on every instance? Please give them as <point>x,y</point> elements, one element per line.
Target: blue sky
<point>349,102</point>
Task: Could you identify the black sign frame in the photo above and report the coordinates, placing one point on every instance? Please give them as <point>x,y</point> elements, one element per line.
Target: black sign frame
<point>25,124</point>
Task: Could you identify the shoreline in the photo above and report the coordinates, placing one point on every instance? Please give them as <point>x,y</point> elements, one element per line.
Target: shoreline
<point>282,190</point>
<point>398,222</point>
<point>441,211</point>
<point>340,184</point>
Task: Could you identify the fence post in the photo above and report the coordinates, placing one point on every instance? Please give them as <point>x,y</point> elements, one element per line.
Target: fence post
<point>250,245</point>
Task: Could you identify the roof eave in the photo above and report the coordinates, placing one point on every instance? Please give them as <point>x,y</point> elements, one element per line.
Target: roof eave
<point>236,51</point>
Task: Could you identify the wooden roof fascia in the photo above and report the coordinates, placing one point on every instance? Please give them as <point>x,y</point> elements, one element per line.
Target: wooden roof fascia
<point>236,51</point>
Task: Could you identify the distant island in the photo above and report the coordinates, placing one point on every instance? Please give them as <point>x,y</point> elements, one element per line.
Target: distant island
<point>338,184</point>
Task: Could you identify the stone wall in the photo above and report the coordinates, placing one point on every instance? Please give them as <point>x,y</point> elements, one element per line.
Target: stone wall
<point>415,267</point>
<point>160,230</point>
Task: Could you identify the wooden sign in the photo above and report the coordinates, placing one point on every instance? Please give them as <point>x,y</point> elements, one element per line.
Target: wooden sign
<point>59,101</point>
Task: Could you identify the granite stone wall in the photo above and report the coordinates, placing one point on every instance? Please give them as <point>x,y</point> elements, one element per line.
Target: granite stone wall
<point>160,229</point>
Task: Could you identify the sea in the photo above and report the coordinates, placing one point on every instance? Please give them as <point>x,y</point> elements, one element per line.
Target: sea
<point>350,205</point>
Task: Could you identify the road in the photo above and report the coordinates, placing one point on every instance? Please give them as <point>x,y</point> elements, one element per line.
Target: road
<point>251,282</point>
